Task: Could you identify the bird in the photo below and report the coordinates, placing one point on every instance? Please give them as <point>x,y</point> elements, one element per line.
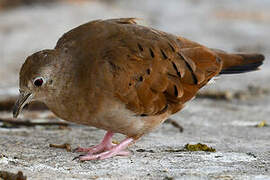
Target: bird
<point>122,77</point>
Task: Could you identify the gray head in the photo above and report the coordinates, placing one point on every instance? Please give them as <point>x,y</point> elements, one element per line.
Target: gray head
<point>36,78</point>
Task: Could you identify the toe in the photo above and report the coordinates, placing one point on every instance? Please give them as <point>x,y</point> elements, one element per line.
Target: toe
<point>123,153</point>
<point>77,157</point>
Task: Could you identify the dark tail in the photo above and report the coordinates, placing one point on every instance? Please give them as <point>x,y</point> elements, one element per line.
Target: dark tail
<point>239,63</point>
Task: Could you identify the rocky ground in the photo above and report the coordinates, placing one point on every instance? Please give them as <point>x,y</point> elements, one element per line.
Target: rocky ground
<point>225,116</point>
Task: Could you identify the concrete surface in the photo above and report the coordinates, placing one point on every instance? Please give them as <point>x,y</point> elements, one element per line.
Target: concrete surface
<point>242,150</point>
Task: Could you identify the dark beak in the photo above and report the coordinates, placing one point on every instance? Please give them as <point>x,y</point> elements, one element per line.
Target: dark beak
<point>24,98</point>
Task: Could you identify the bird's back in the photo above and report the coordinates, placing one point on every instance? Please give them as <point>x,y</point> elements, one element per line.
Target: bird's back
<point>150,71</point>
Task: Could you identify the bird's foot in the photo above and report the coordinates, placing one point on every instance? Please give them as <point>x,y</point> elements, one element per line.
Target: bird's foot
<point>115,150</point>
<point>106,144</point>
<point>105,149</point>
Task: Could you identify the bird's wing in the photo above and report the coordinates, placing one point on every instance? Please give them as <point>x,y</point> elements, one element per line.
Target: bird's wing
<point>155,71</point>
<point>151,71</point>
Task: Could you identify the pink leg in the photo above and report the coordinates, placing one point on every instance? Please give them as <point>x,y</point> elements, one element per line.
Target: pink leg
<point>106,144</point>
<point>118,149</point>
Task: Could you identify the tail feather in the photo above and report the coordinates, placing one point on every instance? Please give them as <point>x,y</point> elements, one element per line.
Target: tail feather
<point>239,63</point>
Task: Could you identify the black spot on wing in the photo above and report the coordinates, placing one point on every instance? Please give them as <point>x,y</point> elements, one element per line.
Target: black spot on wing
<point>174,66</point>
<point>195,80</point>
<point>140,47</point>
<point>163,54</point>
<point>151,53</point>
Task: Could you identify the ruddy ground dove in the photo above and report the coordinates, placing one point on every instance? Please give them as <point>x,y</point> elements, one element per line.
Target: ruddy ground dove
<point>122,77</point>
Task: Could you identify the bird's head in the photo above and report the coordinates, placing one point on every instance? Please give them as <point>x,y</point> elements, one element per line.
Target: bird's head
<point>36,79</point>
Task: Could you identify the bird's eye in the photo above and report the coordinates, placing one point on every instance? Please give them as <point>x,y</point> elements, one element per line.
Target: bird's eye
<point>38,81</point>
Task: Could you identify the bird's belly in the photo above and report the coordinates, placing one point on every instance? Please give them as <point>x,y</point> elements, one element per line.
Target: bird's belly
<point>126,122</point>
<point>110,115</point>
<point>118,120</point>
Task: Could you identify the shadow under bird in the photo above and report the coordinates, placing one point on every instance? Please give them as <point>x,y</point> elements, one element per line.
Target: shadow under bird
<point>122,77</point>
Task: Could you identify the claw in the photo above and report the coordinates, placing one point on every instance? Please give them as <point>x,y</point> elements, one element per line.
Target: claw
<point>75,150</point>
<point>77,157</point>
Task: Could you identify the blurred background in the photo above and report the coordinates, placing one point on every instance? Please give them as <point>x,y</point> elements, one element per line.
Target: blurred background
<point>224,115</point>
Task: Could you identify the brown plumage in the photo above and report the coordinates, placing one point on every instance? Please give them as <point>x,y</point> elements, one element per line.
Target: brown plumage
<point>123,77</point>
